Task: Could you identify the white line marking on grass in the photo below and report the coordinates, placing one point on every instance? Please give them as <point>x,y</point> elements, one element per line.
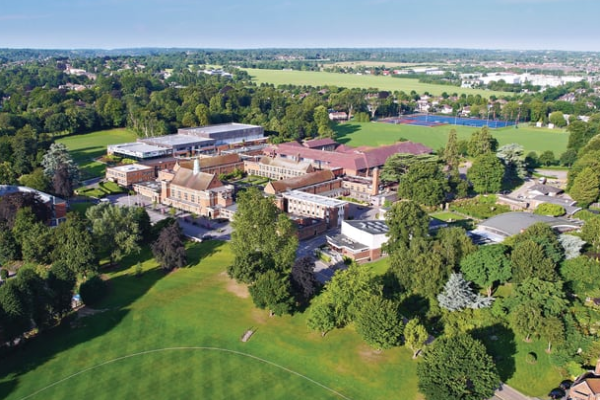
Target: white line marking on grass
<point>189,348</point>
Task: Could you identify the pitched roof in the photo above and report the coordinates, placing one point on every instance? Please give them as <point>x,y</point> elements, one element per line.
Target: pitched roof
<point>299,182</point>
<point>208,162</point>
<point>545,189</point>
<point>286,163</point>
<point>185,177</point>
<point>311,144</point>
<point>355,159</point>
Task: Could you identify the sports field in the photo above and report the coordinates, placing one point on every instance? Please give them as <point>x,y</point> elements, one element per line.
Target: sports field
<point>376,134</point>
<point>313,78</point>
<point>177,336</point>
<point>85,148</point>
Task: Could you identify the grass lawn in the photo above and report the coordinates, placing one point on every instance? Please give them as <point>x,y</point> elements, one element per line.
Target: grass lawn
<point>376,134</point>
<point>178,336</point>
<point>314,78</point>
<point>447,216</point>
<point>87,147</point>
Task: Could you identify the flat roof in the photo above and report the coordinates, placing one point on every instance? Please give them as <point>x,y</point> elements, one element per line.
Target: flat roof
<point>131,167</point>
<point>344,241</point>
<point>314,198</point>
<point>135,147</point>
<point>176,140</point>
<point>372,226</point>
<point>513,223</point>
<point>232,126</point>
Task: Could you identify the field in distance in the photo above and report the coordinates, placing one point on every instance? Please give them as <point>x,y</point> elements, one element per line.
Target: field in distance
<point>377,134</point>
<point>313,78</point>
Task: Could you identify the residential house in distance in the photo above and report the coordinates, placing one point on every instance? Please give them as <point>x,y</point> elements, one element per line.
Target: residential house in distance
<point>128,174</point>
<point>338,116</point>
<point>277,168</point>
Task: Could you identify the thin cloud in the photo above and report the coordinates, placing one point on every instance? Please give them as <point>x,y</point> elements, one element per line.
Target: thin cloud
<point>22,17</point>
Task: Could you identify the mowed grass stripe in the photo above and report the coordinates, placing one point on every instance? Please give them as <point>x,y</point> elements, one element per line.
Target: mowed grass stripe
<point>316,78</point>
<point>168,367</point>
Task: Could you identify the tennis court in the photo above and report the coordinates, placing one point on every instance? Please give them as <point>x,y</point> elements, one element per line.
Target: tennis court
<point>438,120</point>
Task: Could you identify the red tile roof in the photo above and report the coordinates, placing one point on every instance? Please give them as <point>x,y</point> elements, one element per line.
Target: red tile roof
<point>299,182</point>
<point>353,159</point>
<point>311,144</point>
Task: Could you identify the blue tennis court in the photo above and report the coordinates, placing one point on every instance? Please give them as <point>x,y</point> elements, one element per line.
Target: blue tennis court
<point>437,120</point>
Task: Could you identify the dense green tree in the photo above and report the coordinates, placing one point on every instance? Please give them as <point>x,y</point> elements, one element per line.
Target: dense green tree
<point>589,160</point>
<point>481,143</point>
<point>406,220</point>
<point>424,183</point>
<point>547,158</point>
<point>61,282</point>
<point>7,175</point>
<point>74,246</point>
<point>36,180</point>
<point>558,119</point>
<point>488,266</point>
<point>554,210</point>
<point>272,291</point>
<point>451,152</point>
<point>261,235</point>
<point>322,316</point>
<point>347,291</point>
<point>457,368</point>
<point>9,248</point>
<point>11,203</point>
<point>579,134</point>
<point>399,164</point>
<point>586,187</point>
<point>419,269</point>
<point>591,232</point>
<point>379,323</point>
<point>415,336</point>
<point>454,244</point>
<point>114,230</point>
<point>529,260</point>
<point>15,319</point>
<point>568,158</point>
<point>581,275</point>
<point>486,174</point>
<point>169,249</point>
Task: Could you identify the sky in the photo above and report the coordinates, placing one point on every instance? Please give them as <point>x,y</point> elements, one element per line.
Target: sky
<point>235,24</point>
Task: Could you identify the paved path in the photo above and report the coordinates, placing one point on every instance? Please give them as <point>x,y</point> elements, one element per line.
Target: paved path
<point>507,393</point>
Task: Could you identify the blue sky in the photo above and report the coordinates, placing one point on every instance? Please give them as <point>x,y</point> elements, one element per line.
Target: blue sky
<point>490,24</point>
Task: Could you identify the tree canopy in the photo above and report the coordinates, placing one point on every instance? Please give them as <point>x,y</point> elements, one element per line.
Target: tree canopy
<point>457,367</point>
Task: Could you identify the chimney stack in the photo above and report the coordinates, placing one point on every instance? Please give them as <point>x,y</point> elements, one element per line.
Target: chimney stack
<point>375,184</point>
<point>196,167</point>
<point>597,370</point>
